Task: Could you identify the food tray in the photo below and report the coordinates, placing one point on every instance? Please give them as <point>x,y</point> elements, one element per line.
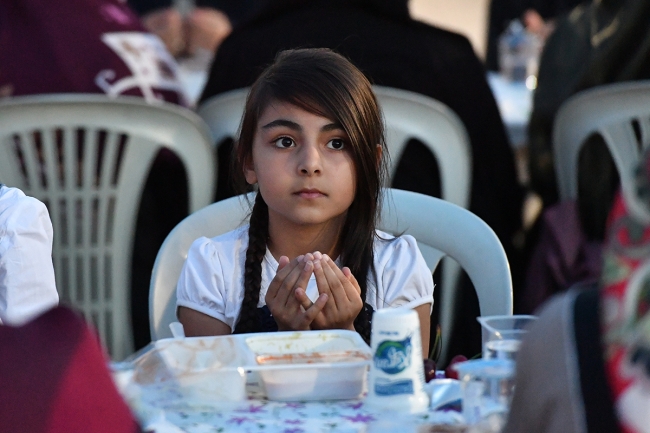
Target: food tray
<point>314,365</point>
<point>199,369</point>
<point>291,366</point>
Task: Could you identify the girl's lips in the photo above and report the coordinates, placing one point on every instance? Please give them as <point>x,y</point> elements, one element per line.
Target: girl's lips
<point>310,193</point>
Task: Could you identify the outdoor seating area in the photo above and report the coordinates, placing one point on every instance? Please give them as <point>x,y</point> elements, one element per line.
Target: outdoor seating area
<point>301,216</point>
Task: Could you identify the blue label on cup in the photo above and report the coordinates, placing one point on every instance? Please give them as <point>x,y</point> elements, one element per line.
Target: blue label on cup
<point>393,357</point>
<point>394,387</point>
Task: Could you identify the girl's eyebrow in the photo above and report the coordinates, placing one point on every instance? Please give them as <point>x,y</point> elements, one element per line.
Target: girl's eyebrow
<point>296,127</point>
<point>283,122</point>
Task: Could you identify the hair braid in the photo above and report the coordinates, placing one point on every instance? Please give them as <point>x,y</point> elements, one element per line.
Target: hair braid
<point>258,234</point>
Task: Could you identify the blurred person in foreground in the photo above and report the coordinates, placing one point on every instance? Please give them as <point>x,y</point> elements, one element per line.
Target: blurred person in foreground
<point>394,50</point>
<point>584,366</point>
<point>27,286</point>
<point>54,379</point>
<point>99,46</point>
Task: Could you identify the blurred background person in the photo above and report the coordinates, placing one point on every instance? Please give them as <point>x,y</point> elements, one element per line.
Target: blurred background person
<point>41,51</point>
<point>99,46</point>
<point>189,26</point>
<point>392,49</point>
<point>27,286</point>
<point>602,42</point>
<point>538,16</point>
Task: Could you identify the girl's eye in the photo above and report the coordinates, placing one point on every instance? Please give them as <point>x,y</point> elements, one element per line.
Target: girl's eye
<point>336,144</point>
<point>284,142</point>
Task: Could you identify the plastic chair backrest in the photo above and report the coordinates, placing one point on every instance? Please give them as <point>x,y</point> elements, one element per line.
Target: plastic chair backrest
<point>441,228</point>
<point>87,158</point>
<point>612,111</point>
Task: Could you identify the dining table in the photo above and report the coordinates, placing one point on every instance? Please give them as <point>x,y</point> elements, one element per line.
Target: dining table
<point>315,381</point>
<point>172,415</point>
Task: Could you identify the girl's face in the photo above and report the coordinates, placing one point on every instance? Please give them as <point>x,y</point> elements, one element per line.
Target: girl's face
<point>302,163</point>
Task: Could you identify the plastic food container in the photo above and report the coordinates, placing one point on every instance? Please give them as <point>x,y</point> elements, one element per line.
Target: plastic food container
<point>202,369</point>
<point>313,365</point>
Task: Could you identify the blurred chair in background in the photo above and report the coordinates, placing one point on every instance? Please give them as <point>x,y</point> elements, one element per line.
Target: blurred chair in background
<point>617,116</point>
<point>598,43</point>
<point>27,286</point>
<point>99,46</point>
<point>393,50</point>
<point>87,158</point>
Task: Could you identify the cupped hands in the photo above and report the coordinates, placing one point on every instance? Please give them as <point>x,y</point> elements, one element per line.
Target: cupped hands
<point>287,311</point>
<point>338,304</point>
<point>342,289</point>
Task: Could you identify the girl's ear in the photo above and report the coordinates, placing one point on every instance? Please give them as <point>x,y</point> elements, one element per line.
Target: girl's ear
<point>249,172</point>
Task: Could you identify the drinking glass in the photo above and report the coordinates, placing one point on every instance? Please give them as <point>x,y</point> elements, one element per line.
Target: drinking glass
<point>502,335</point>
<point>487,386</point>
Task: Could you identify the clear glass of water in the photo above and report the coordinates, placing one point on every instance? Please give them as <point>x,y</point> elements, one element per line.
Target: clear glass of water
<point>502,335</point>
<point>487,386</point>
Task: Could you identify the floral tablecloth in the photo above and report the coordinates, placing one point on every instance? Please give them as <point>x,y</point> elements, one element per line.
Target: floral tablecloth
<point>200,386</point>
<point>280,417</point>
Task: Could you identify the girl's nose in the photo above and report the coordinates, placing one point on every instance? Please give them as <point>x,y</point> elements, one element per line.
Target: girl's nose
<point>310,160</point>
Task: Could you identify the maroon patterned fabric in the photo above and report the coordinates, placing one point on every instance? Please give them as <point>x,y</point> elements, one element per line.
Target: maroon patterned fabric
<point>53,378</point>
<point>81,46</point>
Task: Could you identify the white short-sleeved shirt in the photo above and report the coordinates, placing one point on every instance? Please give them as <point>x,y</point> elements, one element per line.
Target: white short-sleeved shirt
<point>212,279</point>
<point>27,285</point>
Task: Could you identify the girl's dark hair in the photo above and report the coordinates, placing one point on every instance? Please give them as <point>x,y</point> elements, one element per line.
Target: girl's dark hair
<point>325,83</point>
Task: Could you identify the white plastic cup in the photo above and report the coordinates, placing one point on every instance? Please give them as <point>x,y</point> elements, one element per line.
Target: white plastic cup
<point>396,380</point>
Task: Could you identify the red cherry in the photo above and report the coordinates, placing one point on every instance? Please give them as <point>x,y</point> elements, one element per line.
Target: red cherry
<point>449,371</point>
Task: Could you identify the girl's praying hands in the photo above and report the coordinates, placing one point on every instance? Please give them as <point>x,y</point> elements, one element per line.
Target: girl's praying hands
<point>283,304</point>
<point>343,292</point>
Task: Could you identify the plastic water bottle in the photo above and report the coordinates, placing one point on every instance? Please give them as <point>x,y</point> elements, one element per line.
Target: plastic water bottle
<point>519,52</point>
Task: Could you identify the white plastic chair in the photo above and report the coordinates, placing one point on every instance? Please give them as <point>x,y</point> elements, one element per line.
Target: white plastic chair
<point>610,111</point>
<point>441,228</point>
<point>87,158</point>
<point>407,115</point>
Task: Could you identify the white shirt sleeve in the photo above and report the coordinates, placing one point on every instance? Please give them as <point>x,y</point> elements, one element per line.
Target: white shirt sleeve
<point>27,285</point>
<point>404,278</point>
<point>201,284</point>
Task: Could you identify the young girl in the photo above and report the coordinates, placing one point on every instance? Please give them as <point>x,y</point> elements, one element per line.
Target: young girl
<point>312,141</point>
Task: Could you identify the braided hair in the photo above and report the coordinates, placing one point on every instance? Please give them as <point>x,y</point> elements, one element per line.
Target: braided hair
<point>325,83</point>
<point>258,233</point>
